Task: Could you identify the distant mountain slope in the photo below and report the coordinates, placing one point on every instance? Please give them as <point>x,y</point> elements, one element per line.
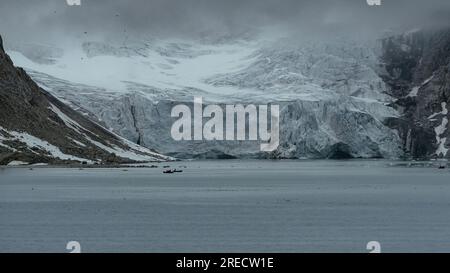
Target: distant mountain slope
<point>35,127</point>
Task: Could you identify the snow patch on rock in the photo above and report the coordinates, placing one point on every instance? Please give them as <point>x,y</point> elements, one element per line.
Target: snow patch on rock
<point>17,163</point>
<point>414,92</point>
<point>34,142</point>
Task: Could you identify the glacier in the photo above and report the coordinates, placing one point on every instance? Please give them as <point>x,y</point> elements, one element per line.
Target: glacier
<point>333,103</point>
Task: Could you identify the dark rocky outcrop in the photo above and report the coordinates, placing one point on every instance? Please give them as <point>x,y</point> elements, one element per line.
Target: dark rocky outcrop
<point>1,45</point>
<point>417,65</point>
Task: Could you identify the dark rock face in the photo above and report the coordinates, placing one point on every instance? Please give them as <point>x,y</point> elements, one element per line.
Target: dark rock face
<point>1,44</point>
<point>27,111</point>
<point>417,66</point>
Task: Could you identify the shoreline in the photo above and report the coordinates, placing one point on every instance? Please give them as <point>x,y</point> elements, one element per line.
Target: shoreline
<point>431,163</point>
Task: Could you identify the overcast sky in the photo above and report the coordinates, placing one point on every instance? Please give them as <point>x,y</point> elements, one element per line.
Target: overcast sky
<point>52,19</point>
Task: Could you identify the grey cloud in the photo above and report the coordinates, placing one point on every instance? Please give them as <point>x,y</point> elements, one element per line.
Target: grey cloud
<point>47,19</point>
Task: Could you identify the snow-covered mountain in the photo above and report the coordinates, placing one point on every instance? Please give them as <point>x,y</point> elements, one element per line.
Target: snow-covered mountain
<point>36,127</point>
<point>335,101</point>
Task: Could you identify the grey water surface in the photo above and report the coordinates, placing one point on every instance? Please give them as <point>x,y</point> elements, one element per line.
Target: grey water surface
<point>228,206</point>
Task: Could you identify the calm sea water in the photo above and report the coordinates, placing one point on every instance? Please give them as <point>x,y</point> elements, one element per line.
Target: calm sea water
<point>227,206</point>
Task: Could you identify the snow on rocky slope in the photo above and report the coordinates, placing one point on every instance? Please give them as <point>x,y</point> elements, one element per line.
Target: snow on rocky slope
<point>332,100</point>
<point>35,127</point>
